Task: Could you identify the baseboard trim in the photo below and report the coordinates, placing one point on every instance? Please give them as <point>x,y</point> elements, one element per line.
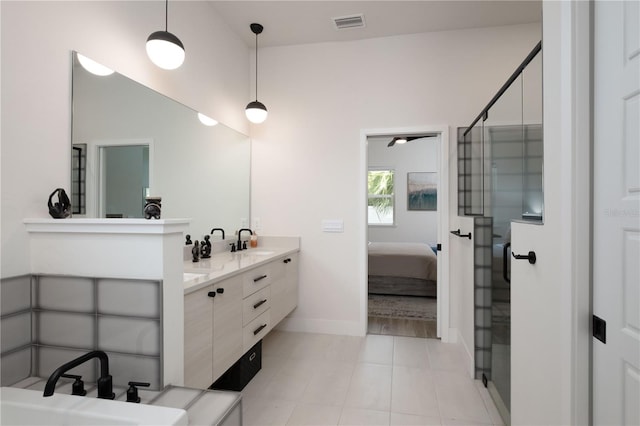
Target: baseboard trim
<point>469,354</point>
<point>305,325</point>
<point>451,336</point>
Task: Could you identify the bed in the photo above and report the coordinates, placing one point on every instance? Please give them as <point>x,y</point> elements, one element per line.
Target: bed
<point>404,269</point>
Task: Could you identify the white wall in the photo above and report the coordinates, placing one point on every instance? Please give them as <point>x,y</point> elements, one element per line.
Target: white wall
<point>37,39</point>
<point>308,162</point>
<point>419,155</point>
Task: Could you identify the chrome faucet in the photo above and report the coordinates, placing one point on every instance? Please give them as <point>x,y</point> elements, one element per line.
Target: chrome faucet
<point>105,381</point>
<point>218,229</point>
<point>240,239</point>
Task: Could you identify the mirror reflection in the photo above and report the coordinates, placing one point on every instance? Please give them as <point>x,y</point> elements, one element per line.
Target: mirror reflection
<point>130,142</point>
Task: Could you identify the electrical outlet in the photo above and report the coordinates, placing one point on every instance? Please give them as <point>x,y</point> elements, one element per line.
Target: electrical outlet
<point>257,224</point>
<point>244,222</point>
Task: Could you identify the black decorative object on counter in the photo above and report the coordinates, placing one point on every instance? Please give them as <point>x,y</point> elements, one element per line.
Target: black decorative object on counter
<point>62,208</point>
<point>152,207</point>
<point>205,248</point>
<point>188,241</point>
<point>195,251</point>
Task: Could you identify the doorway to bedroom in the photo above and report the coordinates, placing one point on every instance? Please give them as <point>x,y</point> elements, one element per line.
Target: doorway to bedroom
<point>403,180</point>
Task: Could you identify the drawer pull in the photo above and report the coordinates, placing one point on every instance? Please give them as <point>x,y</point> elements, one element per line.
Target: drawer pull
<point>287,260</point>
<point>252,357</point>
<point>255,280</point>
<point>259,329</point>
<point>220,290</point>
<point>211,294</point>
<point>260,303</point>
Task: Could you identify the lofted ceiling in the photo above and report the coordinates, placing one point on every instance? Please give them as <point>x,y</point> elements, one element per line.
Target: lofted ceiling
<point>301,22</point>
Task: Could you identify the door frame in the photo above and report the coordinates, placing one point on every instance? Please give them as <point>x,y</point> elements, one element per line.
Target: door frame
<point>442,218</point>
<point>568,30</point>
<point>95,179</point>
<point>581,17</point>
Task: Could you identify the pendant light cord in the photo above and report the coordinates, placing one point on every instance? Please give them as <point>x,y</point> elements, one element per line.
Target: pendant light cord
<point>166,16</point>
<point>256,65</point>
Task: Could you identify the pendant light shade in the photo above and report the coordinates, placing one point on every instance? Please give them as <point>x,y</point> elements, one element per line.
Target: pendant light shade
<point>256,111</point>
<point>165,49</point>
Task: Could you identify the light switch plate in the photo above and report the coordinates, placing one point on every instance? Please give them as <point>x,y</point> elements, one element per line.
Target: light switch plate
<point>333,225</point>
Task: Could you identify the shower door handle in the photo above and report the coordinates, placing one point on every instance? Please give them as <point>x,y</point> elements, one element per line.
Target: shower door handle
<point>505,262</point>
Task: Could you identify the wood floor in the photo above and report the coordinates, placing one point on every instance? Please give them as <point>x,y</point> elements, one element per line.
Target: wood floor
<point>402,327</point>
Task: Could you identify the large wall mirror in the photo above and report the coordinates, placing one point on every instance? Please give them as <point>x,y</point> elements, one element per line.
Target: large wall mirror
<point>130,142</point>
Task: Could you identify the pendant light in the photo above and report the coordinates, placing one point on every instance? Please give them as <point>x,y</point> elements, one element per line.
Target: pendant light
<point>165,49</point>
<point>256,111</point>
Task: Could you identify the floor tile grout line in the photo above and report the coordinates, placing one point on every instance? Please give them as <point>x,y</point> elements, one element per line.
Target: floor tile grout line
<point>393,365</point>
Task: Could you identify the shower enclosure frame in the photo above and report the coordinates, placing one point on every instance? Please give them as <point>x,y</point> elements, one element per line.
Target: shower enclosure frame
<point>478,185</point>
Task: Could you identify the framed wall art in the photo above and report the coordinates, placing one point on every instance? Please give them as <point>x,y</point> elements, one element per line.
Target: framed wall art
<point>422,191</point>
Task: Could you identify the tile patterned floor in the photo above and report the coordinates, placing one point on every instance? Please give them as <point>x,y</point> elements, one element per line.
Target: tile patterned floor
<point>318,379</point>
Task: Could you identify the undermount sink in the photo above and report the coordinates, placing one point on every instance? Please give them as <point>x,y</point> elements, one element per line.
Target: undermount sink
<point>260,252</point>
<point>188,276</point>
<point>29,407</point>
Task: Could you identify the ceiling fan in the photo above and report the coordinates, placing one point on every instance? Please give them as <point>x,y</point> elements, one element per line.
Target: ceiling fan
<point>404,139</point>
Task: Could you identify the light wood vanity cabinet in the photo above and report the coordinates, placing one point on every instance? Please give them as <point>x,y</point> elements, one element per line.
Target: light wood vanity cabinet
<point>224,320</point>
<point>227,325</point>
<point>198,339</point>
<point>212,314</point>
<point>284,289</point>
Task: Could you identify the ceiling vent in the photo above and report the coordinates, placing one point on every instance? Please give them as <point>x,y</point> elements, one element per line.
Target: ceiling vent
<point>351,21</point>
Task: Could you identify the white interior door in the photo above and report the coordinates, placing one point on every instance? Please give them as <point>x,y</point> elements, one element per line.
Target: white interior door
<point>616,233</point>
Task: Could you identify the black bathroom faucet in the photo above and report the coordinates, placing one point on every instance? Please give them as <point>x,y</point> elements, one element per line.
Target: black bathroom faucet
<point>105,381</point>
<point>240,239</point>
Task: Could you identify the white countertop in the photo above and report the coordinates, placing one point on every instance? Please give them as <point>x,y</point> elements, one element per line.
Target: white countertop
<point>225,265</point>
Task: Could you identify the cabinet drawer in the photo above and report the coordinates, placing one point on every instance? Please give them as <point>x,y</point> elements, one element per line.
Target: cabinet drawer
<point>256,279</point>
<point>256,330</point>
<point>255,305</point>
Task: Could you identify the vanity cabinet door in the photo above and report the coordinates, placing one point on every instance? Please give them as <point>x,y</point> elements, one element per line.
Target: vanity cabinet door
<point>227,325</point>
<point>284,288</point>
<point>198,339</point>
<point>290,297</point>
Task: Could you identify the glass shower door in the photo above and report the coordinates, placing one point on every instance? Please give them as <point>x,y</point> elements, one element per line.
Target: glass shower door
<point>500,181</point>
<point>513,153</point>
<point>504,149</point>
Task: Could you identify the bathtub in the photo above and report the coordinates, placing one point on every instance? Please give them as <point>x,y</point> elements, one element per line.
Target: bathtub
<point>29,407</point>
